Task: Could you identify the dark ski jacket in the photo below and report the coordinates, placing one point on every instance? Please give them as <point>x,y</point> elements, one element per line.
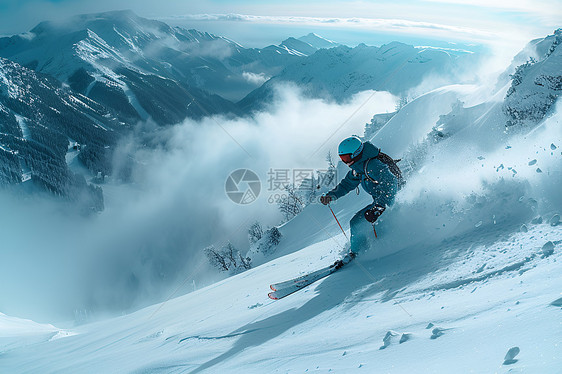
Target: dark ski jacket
<point>379,181</point>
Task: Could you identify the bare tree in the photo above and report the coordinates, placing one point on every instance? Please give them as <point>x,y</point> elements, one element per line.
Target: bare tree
<point>216,258</point>
<point>245,263</point>
<point>330,175</point>
<point>310,189</point>
<point>255,232</point>
<point>290,204</point>
<point>228,258</point>
<point>231,254</point>
<point>402,103</point>
<point>270,240</point>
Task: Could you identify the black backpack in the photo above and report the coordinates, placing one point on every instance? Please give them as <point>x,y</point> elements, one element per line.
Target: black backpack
<point>392,166</point>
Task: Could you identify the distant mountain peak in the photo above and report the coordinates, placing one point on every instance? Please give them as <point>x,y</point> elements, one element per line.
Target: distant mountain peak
<point>123,18</point>
<point>318,41</point>
<point>298,46</point>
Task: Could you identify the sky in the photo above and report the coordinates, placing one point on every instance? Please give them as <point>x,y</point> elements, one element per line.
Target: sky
<point>259,23</point>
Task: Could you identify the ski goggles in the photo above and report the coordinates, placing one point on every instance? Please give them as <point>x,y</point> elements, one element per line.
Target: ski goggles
<point>346,158</point>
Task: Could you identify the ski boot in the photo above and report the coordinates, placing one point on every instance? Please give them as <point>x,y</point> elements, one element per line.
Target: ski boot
<point>345,260</point>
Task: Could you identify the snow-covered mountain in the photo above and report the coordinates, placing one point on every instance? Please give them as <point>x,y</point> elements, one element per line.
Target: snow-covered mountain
<point>337,73</point>
<point>40,120</point>
<point>126,69</point>
<point>523,96</point>
<point>143,67</point>
<point>317,41</point>
<point>465,275</point>
<point>536,84</point>
<point>297,46</point>
<point>305,45</point>
<point>136,66</point>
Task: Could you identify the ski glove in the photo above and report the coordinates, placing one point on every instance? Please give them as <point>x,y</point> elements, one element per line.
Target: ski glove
<point>374,213</point>
<point>325,199</point>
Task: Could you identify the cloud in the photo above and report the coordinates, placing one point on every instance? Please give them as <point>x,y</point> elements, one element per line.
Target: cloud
<point>535,6</point>
<point>149,240</point>
<point>527,14</point>
<point>253,78</point>
<point>449,20</point>
<point>17,16</point>
<point>218,48</point>
<point>379,24</point>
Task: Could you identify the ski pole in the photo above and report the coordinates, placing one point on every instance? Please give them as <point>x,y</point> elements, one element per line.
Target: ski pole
<point>337,221</point>
<point>375,231</point>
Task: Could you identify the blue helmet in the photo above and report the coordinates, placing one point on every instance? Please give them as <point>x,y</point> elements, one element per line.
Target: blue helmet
<point>350,148</point>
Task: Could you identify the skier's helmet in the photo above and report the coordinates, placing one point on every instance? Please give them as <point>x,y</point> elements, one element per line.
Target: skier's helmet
<point>350,149</point>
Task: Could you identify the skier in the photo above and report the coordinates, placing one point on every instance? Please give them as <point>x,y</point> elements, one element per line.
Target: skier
<point>379,176</point>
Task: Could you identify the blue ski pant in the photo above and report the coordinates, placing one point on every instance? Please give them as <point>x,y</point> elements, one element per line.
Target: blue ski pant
<point>362,233</point>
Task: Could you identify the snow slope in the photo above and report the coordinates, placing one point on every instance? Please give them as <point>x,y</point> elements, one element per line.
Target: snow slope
<point>461,319</point>
<point>467,266</point>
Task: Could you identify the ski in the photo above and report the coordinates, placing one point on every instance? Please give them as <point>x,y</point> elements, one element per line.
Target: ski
<point>299,280</point>
<point>277,295</point>
<point>295,285</point>
<point>283,289</point>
